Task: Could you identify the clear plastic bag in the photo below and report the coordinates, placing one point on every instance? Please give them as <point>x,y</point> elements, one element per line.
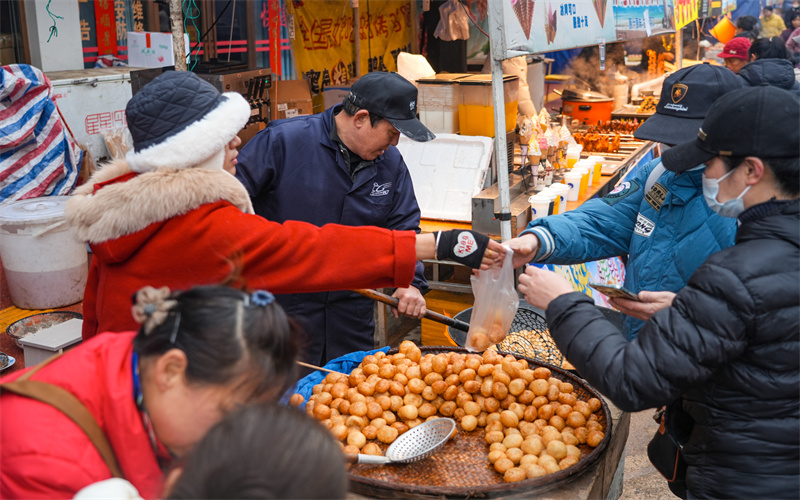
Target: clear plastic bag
<point>496,303</point>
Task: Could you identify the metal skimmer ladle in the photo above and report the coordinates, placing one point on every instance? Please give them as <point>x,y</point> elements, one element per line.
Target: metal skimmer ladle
<point>414,445</point>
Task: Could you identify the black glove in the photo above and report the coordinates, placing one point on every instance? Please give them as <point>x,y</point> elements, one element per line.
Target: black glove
<point>463,246</point>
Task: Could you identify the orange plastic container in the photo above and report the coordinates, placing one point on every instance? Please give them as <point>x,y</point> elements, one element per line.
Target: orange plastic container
<point>476,107</point>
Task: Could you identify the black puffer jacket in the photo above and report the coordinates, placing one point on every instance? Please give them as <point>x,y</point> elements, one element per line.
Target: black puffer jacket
<point>776,72</point>
<point>729,346</point>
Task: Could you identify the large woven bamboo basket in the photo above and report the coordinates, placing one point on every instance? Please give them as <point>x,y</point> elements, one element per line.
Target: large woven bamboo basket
<point>461,468</point>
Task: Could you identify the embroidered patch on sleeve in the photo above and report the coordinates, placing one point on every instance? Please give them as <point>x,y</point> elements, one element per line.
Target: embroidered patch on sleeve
<point>644,226</point>
<point>622,191</point>
<point>655,197</point>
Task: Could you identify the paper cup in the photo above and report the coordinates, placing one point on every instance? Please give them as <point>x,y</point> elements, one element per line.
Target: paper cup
<point>561,190</point>
<point>572,179</point>
<point>585,175</point>
<point>540,206</point>
<point>597,166</point>
<point>573,155</point>
<point>553,198</point>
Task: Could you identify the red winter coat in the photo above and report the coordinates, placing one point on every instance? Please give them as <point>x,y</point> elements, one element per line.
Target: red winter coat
<point>180,228</point>
<point>44,454</point>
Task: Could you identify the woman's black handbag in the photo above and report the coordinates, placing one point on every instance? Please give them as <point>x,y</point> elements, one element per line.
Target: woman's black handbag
<point>665,455</point>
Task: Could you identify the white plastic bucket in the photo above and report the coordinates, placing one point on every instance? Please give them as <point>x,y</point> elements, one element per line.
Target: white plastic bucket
<point>45,265</point>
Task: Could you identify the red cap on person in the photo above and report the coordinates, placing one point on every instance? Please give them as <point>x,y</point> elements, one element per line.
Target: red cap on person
<point>736,47</point>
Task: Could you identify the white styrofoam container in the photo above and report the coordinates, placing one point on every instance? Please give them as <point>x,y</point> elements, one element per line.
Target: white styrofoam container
<point>447,172</point>
<point>91,101</point>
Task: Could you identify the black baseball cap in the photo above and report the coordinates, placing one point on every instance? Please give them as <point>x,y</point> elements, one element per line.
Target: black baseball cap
<point>394,98</point>
<point>686,97</point>
<point>753,121</point>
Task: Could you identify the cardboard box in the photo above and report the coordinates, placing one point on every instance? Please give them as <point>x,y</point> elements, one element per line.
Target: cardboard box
<point>449,304</point>
<point>331,96</point>
<point>290,98</point>
<point>7,56</point>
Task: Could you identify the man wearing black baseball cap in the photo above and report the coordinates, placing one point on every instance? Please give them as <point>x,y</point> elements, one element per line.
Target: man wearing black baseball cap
<point>658,218</point>
<point>341,166</point>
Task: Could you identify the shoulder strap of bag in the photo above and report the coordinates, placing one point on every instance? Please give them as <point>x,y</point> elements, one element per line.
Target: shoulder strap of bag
<point>69,405</point>
<point>653,177</point>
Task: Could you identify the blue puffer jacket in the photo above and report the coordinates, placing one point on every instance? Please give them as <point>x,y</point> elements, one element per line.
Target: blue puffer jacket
<point>294,170</point>
<point>667,233</point>
<point>775,72</point>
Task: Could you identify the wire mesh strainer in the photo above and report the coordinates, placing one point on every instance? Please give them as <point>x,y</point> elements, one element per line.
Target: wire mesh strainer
<point>528,335</point>
<point>414,445</point>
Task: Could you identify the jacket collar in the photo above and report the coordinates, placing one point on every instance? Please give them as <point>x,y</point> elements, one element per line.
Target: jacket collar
<point>124,206</point>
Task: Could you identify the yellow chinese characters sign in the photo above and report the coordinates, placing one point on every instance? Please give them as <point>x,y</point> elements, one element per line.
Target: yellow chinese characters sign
<point>686,11</point>
<point>324,39</point>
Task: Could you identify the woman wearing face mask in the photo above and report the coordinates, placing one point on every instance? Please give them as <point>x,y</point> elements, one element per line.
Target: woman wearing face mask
<point>725,356</point>
<point>198,355</point>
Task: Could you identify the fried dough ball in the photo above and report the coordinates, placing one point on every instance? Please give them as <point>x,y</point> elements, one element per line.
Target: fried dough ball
<point>387,434</point>
<point>496,334</point>
<point>400,426</point>
<point>518,409</point>
<point>499,375</point>
<point>513,441</point>
<point>563,411</point>
<point>356,438</point>
<point>378,422</point>
<point>515,474</point>
<point>296,400</point>
<point>321,411</point>
<point>594,438</point>
<point>499,390</point>
<point>532,445</point>
<point>557,449</point>
<point>567,398</point>
<point>479,341</point>
<point>448,408</point>
<point>370,432</point>
<point>495,455</point>
<point>542,373</point>
<point>340,432</point>
<point>528,459</point>
<point>494,437</point>
<point>426,410</point>
<point>594,404</point>
<point>569,437</point>
<point>515,455</point>
<point>534,470</point>
<point>416,385</point>
<point>372,449</point>
<point>594,425</point>
<point>469,423</point>
<point>509,419</point>
<point>546,411</point>
<point>573,451</point>
<point>413,399</point>
<point>567,462</point>
<point>539,387</point>
<point>503,464</point>
<point>358,409</point>
<point>351,450</point>
<point>408,412</point>
<point>557,422</point>
<point>526,397</point>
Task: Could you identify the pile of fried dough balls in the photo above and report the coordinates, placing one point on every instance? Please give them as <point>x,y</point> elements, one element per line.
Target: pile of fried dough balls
<point>533,422</point>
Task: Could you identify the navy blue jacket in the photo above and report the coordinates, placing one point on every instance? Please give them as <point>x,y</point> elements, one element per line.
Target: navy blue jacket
<point>293,170</point>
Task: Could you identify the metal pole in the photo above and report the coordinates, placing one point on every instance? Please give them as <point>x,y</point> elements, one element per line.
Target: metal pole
<point>679,49</point>
<point>356,42</point>
<point>496,43</point>
<point>176,20</point>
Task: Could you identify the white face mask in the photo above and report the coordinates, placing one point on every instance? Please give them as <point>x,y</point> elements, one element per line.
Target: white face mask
<point>731,208</point>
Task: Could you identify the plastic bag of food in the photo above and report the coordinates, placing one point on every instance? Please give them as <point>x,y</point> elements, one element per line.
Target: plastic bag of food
<point>496,303</point>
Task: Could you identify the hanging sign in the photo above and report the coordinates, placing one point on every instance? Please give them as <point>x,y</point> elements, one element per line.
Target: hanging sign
<point>324,41</point>
<point>686,11</point>
<point>547,25</point>
<point>641,18</point>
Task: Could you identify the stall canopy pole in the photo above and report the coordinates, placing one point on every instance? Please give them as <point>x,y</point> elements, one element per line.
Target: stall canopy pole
<point>496,44</point>
<point>679,49</point>
<point>178,49</point>
<point>356,41</point>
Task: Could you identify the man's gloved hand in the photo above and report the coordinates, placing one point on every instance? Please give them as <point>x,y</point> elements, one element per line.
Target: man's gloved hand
<point>462,246</point>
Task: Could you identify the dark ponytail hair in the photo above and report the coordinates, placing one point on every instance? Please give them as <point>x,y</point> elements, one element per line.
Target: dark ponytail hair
<point>265,452</point>
<point>227,336</point>
<point>768,48</point>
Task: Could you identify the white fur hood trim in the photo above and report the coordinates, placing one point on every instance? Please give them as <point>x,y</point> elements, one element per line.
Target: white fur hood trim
<point>127,207</point>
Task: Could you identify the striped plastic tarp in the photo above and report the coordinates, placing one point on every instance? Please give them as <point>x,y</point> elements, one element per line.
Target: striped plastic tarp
<point>38,157</point>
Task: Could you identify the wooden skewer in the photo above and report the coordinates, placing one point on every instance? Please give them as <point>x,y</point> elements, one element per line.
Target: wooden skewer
<point>319,368</point>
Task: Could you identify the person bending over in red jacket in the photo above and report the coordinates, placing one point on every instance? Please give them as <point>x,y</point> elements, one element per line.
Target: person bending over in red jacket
<point>154,394</point>
<point>171,214</point>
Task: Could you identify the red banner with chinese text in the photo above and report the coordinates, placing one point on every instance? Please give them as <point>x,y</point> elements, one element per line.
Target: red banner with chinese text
<point>104,16</point>
<point>324,40</point>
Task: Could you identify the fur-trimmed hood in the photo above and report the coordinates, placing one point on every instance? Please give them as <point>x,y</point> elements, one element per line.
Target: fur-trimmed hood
<point>119,209</point>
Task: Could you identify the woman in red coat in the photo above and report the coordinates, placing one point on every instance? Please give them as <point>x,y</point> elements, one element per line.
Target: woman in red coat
<point>154,393</point>
<point>171,214</point>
